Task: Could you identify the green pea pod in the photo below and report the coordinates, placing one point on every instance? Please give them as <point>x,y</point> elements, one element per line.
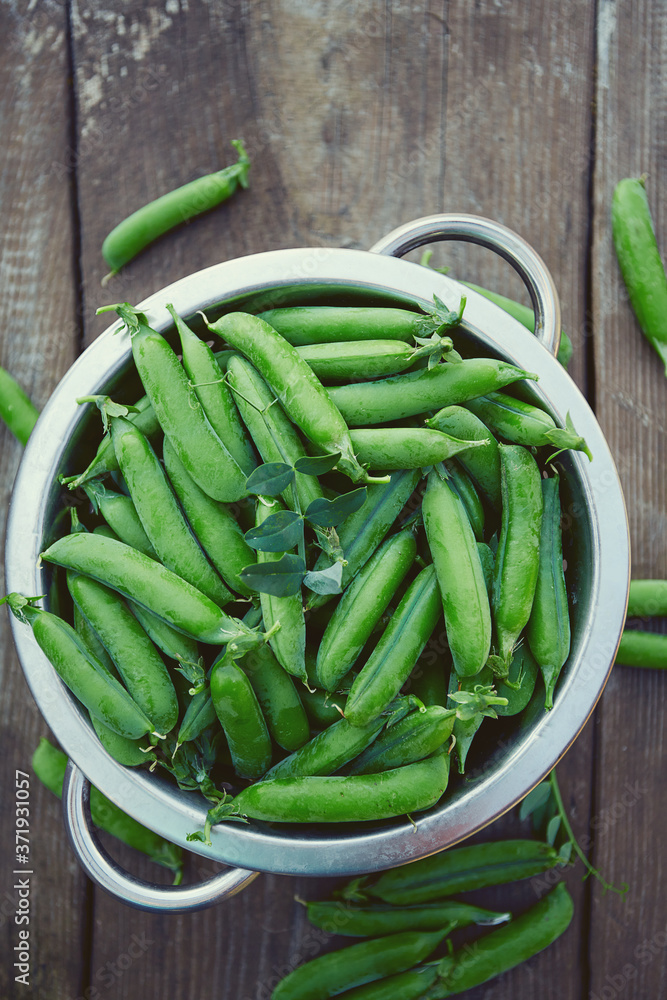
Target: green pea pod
<point>288,642</point>
<point>410,985</point>
<point>639,260</point>
<point>518,556</point>
<point>212,522</point>
<point>148,583</point>
<point>179,412</point>
<point>504,948</point>
<point>161,514</point>
<point>548,631</point>
<point>304,398</point>
<point>462,869</point>
<point>481,463</point>
<point>171,642</point>
<point>275,436</point>
<point>399,648</point>
<point>487,559</point>
<point>331,974</point>
<point>241,718</point>
<point>278,698</point>
<point>522,678</point>
<point>93,643</point>
<point>323,708</point>
<point>338,917</point>
<point>334,799</point>
<point>140,228</point>
<point>328,751</point>
<point>465,730</point>
<point>302,325</point>
<point>642,649</point>
<point>362,532</point>
<point>360,608</point>
<point>199,715</point>
<point>129,753</point>
<point>465,600</point>
<point>469,496</point>
<point>119,512</point>
<point>387,400</point>
<point>391,448</point>
<point>525,316</point>
<point>647,598</point>
<point>105,458</point>
<point>49,765</point>
<point>414,737</point>
<point>429,681</point>
<point>100,693</point>
<point>359,359</point>
<point>522,423</point>
<point>140,665</point>
<point>214,394</point>
<point>16,409</point>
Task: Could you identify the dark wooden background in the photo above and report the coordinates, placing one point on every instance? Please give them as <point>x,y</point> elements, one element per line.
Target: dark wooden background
<point>358,117</point>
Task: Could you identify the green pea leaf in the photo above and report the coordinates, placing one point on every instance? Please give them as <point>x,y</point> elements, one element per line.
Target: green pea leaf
<point>318,465</point>
<point>280,532</point>
<point>325,581</point>
<point>535,798</point>
<point>552,829</point>
<point>565,852</point>
<point>280,578</point>
<point>270,479</point>
<point>328,513</point>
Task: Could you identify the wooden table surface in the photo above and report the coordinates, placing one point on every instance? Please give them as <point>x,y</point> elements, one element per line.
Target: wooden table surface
<point>357,117</point>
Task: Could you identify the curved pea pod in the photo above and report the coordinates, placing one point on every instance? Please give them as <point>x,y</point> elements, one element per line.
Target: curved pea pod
<point>462,869</point>
<point>142,416</point>
<point>212,522</point>
<point>140,665</point>
<point>171,642</point>
<point>399,648</point>
<point>522,678</point>
<point>460,576</point>
<point>93,643</point>
<point>504,948</point>
<point>518,556</point>
<point>49,765</point>
<point>522,423</point>
<point>150,584</point>
<point>337,799</point>
<point>639,260</point>
<point>387,400</point>
<point>161,514</point>
<point>469,497</point>
<point>119,512</point>
<point>362,532</point>
<point>88,680</point>
<point>328,975</point>
<point>288,642</point>
<point>548,631</point>
<point>241,718</point>
<point>275,436</point>
<point>410,985</point>
<point>214,394</point>
<point>361,607</point>
<point>481,463</point>
<point>324,324</point>
<point>338,917</point>
<point>179,412</point>
<point>278,698</point>
<point>304,398</point>
<point>357,359</point>
<point>328,751</point>
<point>129,753</point>
<point>199,715</point>
<point>414,737</point>
<point>391,448</point>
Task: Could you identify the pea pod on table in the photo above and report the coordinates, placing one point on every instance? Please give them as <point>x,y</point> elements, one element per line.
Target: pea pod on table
<point>16,409</point>
<point>336,916</point>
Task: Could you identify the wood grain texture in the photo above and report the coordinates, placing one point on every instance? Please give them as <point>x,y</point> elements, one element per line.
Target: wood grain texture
<point>628,936</point>
<point>38,336</point>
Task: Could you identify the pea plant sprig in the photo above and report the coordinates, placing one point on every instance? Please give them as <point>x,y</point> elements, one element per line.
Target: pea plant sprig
<point>284,530</point>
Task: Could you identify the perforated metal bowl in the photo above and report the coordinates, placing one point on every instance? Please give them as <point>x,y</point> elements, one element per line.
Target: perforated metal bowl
<point>523,750</point>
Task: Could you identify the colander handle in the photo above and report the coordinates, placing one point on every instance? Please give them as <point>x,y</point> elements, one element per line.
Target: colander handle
<point>508,244</point>
<point>104,871</point>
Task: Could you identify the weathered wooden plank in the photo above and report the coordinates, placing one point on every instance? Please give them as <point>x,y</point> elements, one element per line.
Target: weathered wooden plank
<point>628,936</point>
<point>38,336</point>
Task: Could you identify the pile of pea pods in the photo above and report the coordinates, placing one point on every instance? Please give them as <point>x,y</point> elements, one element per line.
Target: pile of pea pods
<point>304,569</point>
